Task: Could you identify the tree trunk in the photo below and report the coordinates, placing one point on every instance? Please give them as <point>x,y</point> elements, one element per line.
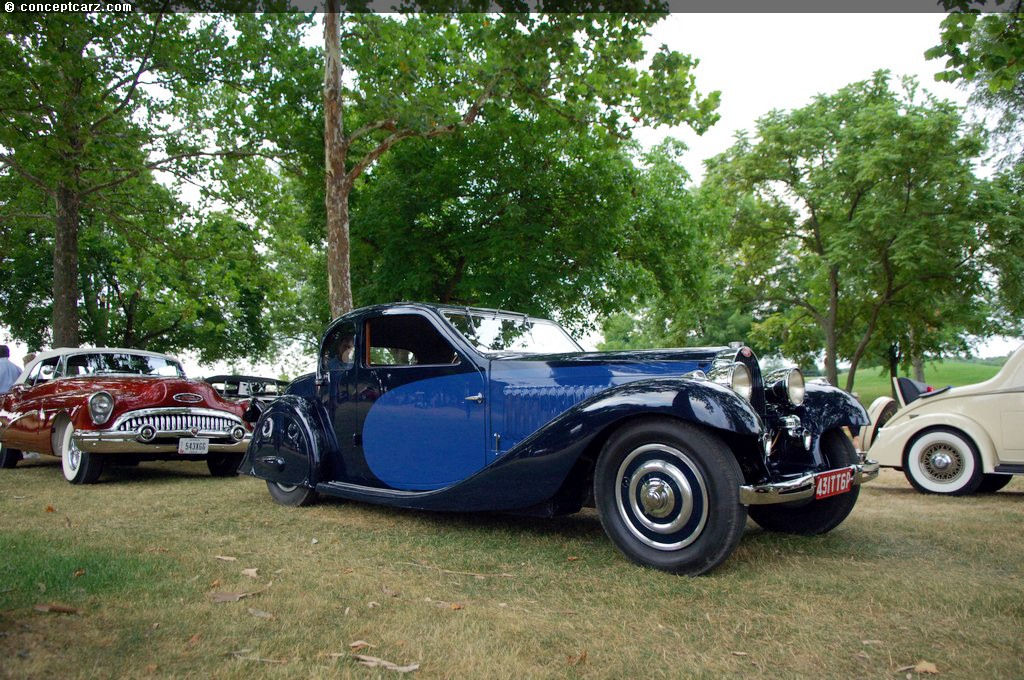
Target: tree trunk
<point>917,362</point>
<point>339,284</point>
<point>831,337</point>
<point>65,269</point>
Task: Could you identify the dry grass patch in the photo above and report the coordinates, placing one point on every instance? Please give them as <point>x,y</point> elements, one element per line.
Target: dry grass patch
<point>907,578</point>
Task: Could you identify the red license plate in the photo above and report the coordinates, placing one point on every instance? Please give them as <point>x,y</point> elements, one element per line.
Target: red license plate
<point>833,482</point>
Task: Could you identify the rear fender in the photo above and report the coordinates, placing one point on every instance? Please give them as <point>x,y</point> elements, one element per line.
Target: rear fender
<point>287,444</point>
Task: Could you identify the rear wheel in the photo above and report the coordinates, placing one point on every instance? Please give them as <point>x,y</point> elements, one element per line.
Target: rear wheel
<point>944,461</point>
<point>810,517</point>
<point>224,464</point>
<point>8,457</point>
<point>80,467</point>
<point>992,482</point>
<point>667,493</point>
<point>293,495</point>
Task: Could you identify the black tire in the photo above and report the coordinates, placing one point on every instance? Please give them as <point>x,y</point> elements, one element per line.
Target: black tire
<point>8,457</point>
<point>812,517</point>
<point>943,460</point>
<point>993,481</point>
<point>80,467</point>
<point>224,464</point>
<point>295,496</point>
<point>667,493</point>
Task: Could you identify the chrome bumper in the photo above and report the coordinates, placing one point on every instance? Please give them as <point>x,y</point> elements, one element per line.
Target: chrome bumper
<point>798,489</point>
<point>111,441</point>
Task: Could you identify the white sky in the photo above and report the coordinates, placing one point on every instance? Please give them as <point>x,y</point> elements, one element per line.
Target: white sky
<point>762,62</point>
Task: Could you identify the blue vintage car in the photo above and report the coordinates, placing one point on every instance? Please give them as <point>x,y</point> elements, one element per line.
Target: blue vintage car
<point>464,409</point>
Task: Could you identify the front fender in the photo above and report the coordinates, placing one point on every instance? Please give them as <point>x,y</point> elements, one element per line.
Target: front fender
<point>826,407</point>
<point>287,443</point>
<point>892,440</point>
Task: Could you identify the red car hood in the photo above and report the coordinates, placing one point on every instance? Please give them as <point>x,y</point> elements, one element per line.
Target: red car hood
<point>134,393</point>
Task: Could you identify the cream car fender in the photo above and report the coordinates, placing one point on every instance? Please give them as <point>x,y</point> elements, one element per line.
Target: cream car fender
<point>892,440</point>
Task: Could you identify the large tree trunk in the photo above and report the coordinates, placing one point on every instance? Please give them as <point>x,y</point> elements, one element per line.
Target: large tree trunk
<point>65,269</point>
<point>831,336</point>
<point>339,283</point>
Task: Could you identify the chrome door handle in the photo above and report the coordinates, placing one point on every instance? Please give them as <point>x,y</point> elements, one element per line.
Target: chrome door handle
<point>478,398</point>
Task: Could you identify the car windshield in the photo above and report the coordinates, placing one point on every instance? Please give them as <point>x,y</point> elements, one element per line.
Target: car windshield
<point>494,333</point>
<point>108,363</point>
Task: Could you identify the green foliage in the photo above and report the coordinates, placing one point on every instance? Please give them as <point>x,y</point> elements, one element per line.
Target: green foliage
<point>100,116</point>
<point>855,219</point>
<point>986,53</point>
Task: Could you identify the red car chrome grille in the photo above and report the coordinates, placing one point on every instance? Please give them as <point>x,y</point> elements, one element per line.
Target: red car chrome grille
<point>178,423</point>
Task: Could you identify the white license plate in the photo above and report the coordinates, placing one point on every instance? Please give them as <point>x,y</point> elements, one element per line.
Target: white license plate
<point>833,482</point>
<point>192,446</point>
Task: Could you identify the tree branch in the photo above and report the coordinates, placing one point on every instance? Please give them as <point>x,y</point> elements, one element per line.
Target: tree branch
<point>8,160</point>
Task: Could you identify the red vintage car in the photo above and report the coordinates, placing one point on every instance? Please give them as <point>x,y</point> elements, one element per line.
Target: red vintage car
<point>91,406</point>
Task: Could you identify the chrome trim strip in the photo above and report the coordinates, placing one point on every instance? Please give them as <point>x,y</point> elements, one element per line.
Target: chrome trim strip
<point>800,488</point>
<point>108,441</point>
<point>174,411</point>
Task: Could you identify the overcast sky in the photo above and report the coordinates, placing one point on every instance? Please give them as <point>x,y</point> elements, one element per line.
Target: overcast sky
<point>761,62</point>
<point>780,61</point>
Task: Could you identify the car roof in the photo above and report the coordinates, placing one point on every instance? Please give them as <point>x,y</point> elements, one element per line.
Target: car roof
<point>65,351</point>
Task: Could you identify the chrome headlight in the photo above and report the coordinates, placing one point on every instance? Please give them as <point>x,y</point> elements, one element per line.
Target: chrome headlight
<point>101,405</point>
<point>787,383</point>
<point>736,376</point>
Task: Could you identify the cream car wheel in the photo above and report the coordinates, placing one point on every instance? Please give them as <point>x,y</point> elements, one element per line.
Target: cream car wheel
<point>80,467</point>
<point>944,461</point>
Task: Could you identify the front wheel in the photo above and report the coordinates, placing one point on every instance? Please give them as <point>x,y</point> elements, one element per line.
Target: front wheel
<point>291,494</point>
<point>8,457</point>
<point>667,493</point>
<point>80,467</point>
<point>811,517</point>
<point>943,461</point>
<point>224,464</point>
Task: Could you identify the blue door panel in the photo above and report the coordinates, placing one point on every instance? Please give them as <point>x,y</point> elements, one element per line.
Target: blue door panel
<point>425,434</point>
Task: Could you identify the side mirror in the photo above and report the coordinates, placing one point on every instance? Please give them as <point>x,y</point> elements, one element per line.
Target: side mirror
<point>47,372</point>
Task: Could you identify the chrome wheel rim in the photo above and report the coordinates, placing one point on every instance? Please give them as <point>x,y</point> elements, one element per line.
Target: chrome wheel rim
<point>287,488</point>
<point>942,462</point>
<point>661,497</point>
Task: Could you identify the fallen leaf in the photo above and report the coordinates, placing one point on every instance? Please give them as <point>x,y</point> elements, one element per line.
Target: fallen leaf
<point>151,669</point>
<point>157,549</point>
<point>862,656</point>
<point>260,614</point>
<point>573,558</point>
<point>225,558</point>
<point>926,667</point>
<point>374,662</point>
<point>359,644</point>
<point>54,608</point>
<point>220,598</point>
<point>315,541</point>
<point>872,642</point>
<point>154,626</point>
<point>739,654</point>
<point>215,583</point>
<point>373,605</point>
<point>580,658</point>
<point>251,573</point>
<point>49,508</point>
<point>350,570</point>
<point>904,668</point>
<point>456,606</point>
<point>78,573</point>
<point>193,641</point>
<point>390,593</point>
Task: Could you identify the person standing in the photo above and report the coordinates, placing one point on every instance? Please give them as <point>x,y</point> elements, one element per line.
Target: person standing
<point>9,371</point>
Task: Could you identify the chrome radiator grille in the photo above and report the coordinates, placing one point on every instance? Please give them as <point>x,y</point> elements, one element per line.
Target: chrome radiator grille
<point>182,422</point>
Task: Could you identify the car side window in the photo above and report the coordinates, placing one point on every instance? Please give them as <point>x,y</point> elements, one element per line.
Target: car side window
<point>338,352</point>
<point>43,371</point>
<point>406,340</point>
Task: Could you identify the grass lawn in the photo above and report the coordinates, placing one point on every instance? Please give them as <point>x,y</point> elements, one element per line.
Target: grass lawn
<point>173,573</point>
<point>873,382</point>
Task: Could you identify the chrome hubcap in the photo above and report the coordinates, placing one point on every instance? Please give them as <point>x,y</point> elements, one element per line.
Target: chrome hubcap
<point>941,462</point>
<point>657,498</point>
<point>661,497</point>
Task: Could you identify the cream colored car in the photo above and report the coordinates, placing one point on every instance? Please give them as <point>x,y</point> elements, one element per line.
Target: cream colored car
<point>956,440</point>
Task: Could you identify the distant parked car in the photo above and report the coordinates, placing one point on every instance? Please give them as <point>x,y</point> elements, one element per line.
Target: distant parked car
<point>954,440</point>
<point>465,409</point>
<point>247,387</point>
<point>93,406</point>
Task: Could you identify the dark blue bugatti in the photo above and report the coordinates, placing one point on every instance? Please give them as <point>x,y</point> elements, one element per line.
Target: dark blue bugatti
<point>464,409</point>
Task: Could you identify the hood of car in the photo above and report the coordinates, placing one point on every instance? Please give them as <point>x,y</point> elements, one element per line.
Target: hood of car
<point>136,392</point>
<point>692,355</point>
